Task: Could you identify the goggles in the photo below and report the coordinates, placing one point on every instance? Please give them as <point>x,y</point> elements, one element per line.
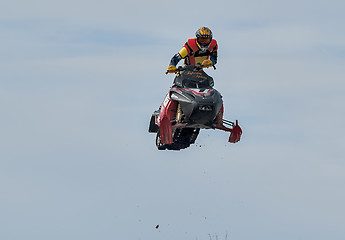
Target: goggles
<point>204,39</point>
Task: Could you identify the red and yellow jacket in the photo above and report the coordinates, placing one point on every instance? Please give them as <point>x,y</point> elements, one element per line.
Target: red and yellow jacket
<point>193,54</point>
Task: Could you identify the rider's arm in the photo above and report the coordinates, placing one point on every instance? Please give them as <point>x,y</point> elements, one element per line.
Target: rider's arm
<point>214,53</point>
<point>178,56</point>
<point>175,59</point>
<point>213,57</point>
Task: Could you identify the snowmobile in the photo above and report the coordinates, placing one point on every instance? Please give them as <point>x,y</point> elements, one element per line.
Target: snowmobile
<point>190,105</point>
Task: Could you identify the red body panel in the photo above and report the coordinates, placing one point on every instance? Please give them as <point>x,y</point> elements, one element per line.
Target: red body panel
<point>166,115</point>
<point>168,109</point>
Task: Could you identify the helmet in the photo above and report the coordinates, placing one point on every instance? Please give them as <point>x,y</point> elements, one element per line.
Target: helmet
<point>203,32</point>
<point>203,37</point>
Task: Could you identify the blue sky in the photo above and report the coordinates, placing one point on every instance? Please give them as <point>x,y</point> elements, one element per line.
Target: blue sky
<point>80,79</point>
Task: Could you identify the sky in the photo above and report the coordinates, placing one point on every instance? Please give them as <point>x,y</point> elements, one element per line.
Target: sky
<point>79,81</point>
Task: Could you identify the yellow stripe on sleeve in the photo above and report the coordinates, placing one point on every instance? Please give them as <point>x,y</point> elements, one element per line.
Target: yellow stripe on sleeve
<point>183,52</point>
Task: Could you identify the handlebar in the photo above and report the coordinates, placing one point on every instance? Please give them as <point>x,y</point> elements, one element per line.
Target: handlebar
<point>197,67</point>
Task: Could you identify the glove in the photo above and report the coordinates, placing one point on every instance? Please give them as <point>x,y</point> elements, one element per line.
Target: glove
<point>172,69</point>
<point>207,63</point>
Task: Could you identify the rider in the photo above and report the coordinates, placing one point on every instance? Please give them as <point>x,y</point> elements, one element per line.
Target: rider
<point>200,50</point>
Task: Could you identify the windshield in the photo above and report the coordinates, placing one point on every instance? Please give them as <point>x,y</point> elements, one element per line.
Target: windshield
<point>194,79</point>
<point>187,83</point>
